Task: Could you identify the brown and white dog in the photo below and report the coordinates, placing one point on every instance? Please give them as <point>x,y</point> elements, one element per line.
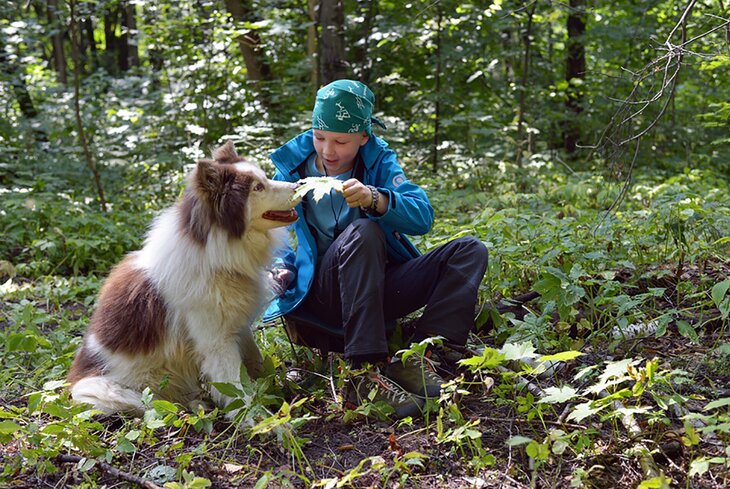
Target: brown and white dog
<point>178,312</point>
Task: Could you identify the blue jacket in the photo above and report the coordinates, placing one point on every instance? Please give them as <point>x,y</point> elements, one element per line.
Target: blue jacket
<point>409,212</point>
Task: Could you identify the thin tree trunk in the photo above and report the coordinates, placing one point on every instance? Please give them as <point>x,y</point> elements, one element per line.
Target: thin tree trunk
<point>130,16</point>
<point>123,44</point>
<point>20,87</point>
<point>523,85</point>
<point>57,29</point>
<point>90,163</point>
<point>723,11</point>
<point>367,9</point>
<point>111,41</point>
<point>90,43</point>
<point>575,70</point>
<point>312,54</point>
<point>437,94</point>
<point>332,43</point>
<point>14,72</point>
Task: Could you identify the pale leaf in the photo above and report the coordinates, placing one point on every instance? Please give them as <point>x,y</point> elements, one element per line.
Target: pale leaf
<point>320,186</point>
<point>582,411</point>
<point>514,351</point>
<point>559,394</point>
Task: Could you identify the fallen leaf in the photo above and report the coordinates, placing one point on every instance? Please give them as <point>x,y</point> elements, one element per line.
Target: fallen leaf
<point>232,468</point>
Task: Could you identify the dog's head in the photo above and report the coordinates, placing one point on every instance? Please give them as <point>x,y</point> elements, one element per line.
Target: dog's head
<point>235,195</point>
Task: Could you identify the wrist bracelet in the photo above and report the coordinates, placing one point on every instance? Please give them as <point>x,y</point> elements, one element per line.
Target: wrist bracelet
<point>373,209</point>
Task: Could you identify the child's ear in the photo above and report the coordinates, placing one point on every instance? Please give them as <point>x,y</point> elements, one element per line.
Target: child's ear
<point>365,139</point>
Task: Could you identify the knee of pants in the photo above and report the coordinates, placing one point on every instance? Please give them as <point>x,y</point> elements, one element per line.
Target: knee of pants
<point>475,248</point>
<point>366,234</point>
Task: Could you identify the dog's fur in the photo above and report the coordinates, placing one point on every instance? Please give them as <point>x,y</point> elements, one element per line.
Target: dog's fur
<point>177,313</point>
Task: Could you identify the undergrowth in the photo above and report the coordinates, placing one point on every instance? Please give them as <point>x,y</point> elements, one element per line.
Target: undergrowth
<point>616,375</point>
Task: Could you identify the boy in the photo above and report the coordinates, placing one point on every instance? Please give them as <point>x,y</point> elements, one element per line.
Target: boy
<point>355,267</point>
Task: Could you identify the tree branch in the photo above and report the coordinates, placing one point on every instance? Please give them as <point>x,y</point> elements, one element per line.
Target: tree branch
<point>112,471</point>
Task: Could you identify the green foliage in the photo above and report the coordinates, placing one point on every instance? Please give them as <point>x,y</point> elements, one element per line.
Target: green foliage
<point>608,275</point>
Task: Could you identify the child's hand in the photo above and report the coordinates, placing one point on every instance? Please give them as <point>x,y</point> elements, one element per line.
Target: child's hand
<point>356,193</point>
<point>281,278</point>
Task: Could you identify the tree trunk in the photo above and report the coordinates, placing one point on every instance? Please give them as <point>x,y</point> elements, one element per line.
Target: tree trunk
<point>123,44</point>
<point>523,86</point>
<point>333,63</point>
<point>20,87</point>
<point>88,27</point>
<point>257,69</point>
<point>362,61</point>
<point>313,13</point>
<point>57,30</point>
<point>131,19</point>
<point>575,70</point>
<point>90,163</point>
<point>250,42</point>
<point>437,94</point>
<point>111,41</point>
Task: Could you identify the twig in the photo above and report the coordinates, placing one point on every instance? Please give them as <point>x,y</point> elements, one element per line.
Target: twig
<point>533,388</point>
<point>113,471</point>
<point>648,467</point>
<point>527,421</point>
<point>621,129</point>
<point>326,377</point>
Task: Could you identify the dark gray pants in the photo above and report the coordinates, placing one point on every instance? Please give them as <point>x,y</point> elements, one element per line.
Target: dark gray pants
<point>354,286</point>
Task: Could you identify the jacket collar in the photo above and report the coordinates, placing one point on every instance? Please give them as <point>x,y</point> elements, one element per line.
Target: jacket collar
<point>288,157</point>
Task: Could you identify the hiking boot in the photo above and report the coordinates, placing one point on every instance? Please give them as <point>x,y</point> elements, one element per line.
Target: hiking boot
<point>373,386</point>
<point>416,376</point>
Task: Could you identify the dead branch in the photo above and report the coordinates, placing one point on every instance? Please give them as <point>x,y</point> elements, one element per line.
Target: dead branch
<point>657,81</point>
<point>112,471</point>
<point>649,468</point>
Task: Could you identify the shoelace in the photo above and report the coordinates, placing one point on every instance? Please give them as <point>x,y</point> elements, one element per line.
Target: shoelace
<point>393,392</point>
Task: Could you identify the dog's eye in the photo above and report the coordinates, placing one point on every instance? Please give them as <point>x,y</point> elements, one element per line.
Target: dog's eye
<point>259,187</point>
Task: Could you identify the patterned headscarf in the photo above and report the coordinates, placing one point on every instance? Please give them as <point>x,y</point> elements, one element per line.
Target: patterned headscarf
<point>345,106</point>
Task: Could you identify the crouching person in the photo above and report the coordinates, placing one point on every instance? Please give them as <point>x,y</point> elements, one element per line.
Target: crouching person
<point>355,268</point>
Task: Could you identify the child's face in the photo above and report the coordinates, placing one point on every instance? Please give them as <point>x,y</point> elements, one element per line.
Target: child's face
<point>337,150</point>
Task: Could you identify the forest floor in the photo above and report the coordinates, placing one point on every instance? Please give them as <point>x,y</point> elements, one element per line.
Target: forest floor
<point>334,450</point>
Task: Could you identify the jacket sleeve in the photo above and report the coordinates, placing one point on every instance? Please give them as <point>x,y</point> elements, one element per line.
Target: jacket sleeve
<point>409,210</point>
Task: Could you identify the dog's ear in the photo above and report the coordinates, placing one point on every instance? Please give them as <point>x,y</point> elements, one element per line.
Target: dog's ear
<point>226,154</point>
<point>207,177</point>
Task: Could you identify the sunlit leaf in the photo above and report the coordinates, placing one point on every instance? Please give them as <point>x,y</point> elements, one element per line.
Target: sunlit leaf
<point>718,403</point>
<point>559,394</point>
<point>583,411</point>
<point>320,186</point>
<point>518,351</point>
<point>561,357</point>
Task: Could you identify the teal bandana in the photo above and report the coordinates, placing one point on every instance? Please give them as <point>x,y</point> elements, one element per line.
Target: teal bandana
<point>345,106</point>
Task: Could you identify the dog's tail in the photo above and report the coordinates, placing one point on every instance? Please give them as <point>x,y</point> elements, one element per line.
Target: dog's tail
<point>107,396</point>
